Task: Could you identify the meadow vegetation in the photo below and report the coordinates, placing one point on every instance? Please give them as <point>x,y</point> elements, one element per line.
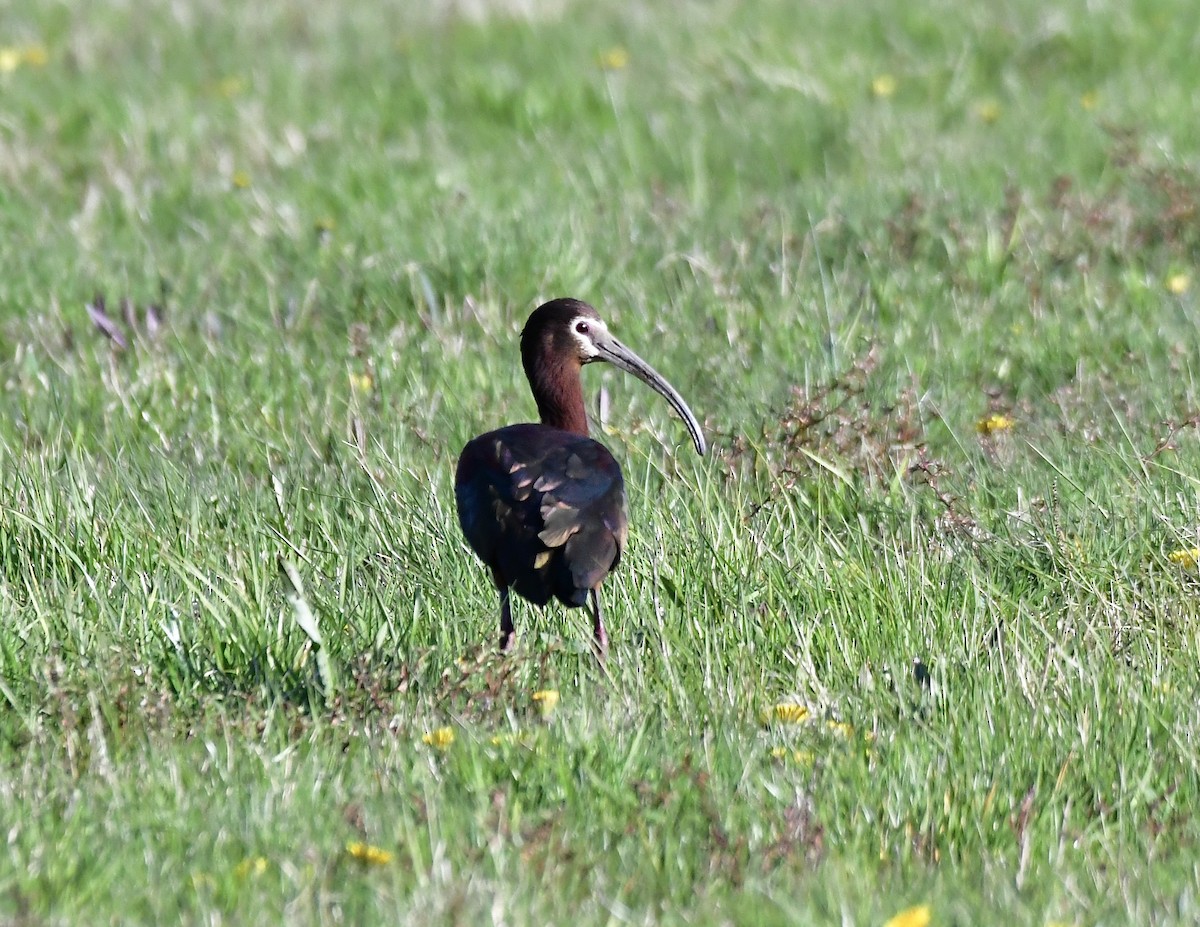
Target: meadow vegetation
<point>919,637</point>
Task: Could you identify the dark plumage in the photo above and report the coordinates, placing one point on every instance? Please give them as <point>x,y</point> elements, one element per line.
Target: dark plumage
<point>543,505</point>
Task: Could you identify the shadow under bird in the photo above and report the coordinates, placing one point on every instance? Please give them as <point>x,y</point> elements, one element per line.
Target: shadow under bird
<point>543,505</point>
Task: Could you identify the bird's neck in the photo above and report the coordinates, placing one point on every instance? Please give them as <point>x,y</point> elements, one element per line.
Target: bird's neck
<point>559,395</point>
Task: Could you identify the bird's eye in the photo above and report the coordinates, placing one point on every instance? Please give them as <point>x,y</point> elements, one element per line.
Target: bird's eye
<point>582,328</point>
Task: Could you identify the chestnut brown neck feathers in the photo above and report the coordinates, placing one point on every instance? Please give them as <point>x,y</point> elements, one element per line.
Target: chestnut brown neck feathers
<point>550,356</point>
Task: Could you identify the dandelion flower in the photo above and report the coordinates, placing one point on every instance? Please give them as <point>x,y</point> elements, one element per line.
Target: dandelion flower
<point>546,700</point>
<point>988,111</point>
<point>785,713</point>
<point>993,424</point>
<point>799,757</point>
<point>439,739</point>
<point>1178,284</point>
<point>614,59</point>
<point>884,86</point>
<point>1186,557</point>
<point>367,854</point>
<point>230,87</point>
<point>361,382</point>
<point>13,56</point>
<point>841,727</point>
<point>1089,100</point>
<point>918,916</point>
<point>240,179</point>
<point>251,866</point>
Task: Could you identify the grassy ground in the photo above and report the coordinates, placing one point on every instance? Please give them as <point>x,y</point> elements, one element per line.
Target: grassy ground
<point>926,272</point>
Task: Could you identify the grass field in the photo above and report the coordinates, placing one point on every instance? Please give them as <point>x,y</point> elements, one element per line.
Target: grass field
<point>919,637</point>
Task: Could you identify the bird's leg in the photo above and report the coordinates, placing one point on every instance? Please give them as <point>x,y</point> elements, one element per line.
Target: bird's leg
<point>600,636</point>
<point>508,633</point>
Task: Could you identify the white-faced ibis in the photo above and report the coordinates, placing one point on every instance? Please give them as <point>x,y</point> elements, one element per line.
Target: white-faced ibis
<point>543,505</point>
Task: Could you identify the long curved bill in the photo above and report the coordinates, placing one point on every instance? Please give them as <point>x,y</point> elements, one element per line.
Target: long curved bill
<point>611,350</point>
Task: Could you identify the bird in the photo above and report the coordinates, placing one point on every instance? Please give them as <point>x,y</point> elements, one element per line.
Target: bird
<point>542,504</point>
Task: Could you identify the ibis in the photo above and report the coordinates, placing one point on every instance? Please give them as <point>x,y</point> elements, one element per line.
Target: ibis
<point>542,504</point>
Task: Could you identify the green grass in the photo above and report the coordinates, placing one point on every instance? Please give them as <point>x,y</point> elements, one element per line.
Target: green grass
<point>347,211</point>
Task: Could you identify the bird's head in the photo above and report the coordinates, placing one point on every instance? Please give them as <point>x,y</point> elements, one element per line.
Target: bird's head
<point>565,333</point>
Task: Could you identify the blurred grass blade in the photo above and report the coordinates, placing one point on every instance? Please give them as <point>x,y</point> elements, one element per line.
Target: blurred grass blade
<point>293,589</point>
<point>102,321</point>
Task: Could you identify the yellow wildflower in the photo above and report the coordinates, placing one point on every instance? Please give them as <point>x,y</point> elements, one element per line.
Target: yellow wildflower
<point>1089,100</point>
<point>799,757</point>
<point>614,59</point>
<point>546,700</point>
<point>325,225</point>
<point>251,865</point>
<point>365,853</point>
<point>361,382</point>
<point>841,727</point>
<point>1186,557</point>
<point>988,111</point>
<point>994,423</point>
<point>918,916</point>
<point>1178,284</point>
<point>13,56</point>
<point>439,739</point>
<point>884,86</point>
<point>785,713</point>
<point>230,87</point>
<point>241,179</point>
